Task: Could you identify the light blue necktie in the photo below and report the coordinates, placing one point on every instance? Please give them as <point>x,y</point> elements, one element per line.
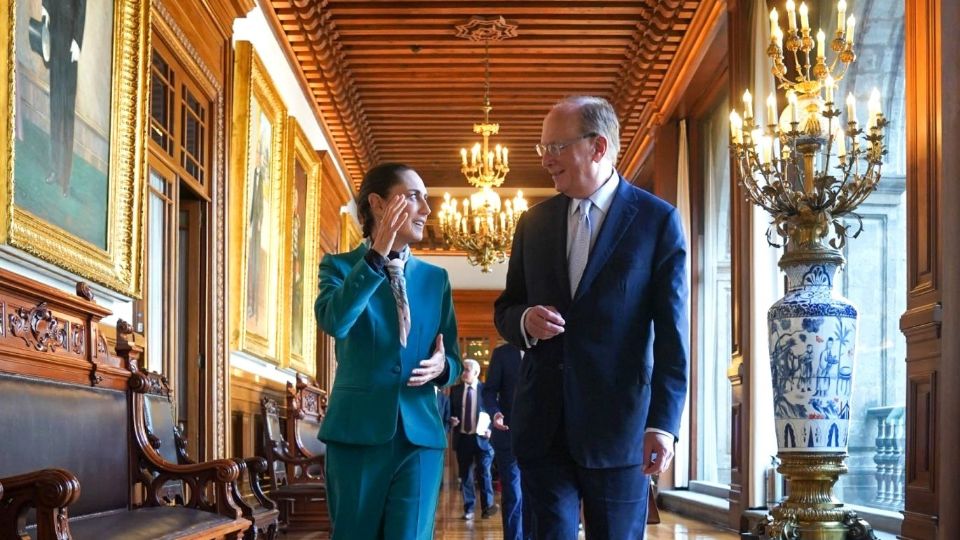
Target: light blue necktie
<point>580,247</point>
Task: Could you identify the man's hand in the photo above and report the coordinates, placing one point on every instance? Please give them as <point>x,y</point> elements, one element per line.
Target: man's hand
<point>454,421</point>
<point>498,422</point>
<point>386,230</point>
<point>543,322</point>
<point>657,452</point>
<point>430,368</point>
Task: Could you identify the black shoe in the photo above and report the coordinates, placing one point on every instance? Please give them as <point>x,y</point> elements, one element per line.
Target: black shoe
<point>487,512</point>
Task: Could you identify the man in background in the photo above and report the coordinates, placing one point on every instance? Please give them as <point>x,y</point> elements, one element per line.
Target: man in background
<point>471,441</point>
<point>498,391</point>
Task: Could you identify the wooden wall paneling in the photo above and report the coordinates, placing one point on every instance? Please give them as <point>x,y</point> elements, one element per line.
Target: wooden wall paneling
<point>933,297</point>
<point>247,390</point>
<point>739,14</point>
<point>948,320</point>
<point>334,194</point>
<point>474,309</point>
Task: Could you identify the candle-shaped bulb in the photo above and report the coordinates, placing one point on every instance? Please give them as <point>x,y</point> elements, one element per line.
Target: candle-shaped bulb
<point>463,156</point>
<point>499,153</point>
<point>774,22</point>
<point>792,100</point>
<point>736,128</point>
<point>772,110</point>
<point>804,21</point>
<point>821,44</point>
<point>851,109</point>
<point>778,36</point>
<point>747,104</point>
<point>873,108</point>
<point>791,15</point>
<point>828,84</point>
<point>851,22</point>
<point>840,140</point>
<point>506,153</point>
<point>446,196</point>
<point>841,13</point>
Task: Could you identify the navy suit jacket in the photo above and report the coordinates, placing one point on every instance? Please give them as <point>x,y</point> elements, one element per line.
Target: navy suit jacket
<point>499,389</point>
<point>620,366</point>
<point>456,409</point>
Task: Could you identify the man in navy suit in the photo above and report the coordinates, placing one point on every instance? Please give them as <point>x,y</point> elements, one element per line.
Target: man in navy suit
<point>498,391</point>
<point>471,441</point>
<point>596,294</point>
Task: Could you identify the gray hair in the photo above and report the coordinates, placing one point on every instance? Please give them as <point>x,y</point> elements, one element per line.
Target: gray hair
<point>471,364</point>
<point>597,116</point>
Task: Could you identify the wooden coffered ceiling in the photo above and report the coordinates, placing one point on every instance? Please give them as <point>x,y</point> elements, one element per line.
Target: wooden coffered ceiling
<point>392,82</point>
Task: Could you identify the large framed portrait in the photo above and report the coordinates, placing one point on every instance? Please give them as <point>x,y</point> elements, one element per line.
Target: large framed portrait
<point>73,117</point>
<point>257,207</point>
<point>303,206</point>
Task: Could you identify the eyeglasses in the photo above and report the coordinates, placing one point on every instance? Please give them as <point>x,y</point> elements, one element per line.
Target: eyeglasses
<point>555,148</point>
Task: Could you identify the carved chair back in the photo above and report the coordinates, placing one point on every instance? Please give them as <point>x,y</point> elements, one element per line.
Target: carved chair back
<point>306,407</point>
<point>274,444</point>
<point>51,424</point>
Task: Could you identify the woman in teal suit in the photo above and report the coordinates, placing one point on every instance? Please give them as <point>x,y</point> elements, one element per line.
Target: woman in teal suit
<point>396,342</point>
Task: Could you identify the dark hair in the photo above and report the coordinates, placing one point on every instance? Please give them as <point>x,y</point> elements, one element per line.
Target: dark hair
<point>378,180</point>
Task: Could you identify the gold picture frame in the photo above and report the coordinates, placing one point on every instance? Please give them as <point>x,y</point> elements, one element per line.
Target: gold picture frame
<point>302,252</point>
<point>256,208</point>
<point>73,138</point>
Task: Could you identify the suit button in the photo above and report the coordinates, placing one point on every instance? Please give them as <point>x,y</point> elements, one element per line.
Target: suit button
<point>560,367</point>
<point>396,369</point>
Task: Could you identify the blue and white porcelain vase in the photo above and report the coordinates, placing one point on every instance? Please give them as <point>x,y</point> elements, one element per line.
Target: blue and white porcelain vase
<point>812,342</point>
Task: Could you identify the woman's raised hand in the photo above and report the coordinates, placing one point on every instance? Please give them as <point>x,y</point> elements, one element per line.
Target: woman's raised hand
<point>385,230</point>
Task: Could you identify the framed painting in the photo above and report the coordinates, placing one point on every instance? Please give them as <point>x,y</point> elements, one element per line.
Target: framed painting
<point>256,207</point>
<point>303,205</point>
<point>73,117</point>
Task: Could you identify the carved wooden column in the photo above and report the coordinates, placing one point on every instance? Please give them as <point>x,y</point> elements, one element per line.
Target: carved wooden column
<point>931,321</point>
<point>739,31</point>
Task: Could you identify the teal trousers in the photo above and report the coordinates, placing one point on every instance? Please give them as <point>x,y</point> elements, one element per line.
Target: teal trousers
<point>384,492</point>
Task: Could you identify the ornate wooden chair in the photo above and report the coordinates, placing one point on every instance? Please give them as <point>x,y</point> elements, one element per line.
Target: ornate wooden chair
<point>303,500</point>
<point>167,438</point>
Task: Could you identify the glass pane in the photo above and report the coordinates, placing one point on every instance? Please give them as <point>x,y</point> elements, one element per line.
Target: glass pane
<point>713,392</point>
<point>157,285</point>
<point>875,277</point>
<point>183,278</point>
<point>161,103</point>
<point>193,119</point>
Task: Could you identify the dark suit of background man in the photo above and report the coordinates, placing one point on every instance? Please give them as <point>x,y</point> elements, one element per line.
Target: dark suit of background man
<point>66,20</point>
<point>498,391</point>
<point>474,453</point>
<point>596,294</point>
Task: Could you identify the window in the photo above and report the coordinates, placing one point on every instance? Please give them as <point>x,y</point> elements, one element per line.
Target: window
<point>875,276</point>
<point>172,313</point>
<point>713,399</point>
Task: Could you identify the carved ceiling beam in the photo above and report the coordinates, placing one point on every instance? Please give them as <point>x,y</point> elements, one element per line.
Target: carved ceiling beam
<point>669,91</point>
<point>334,84</point>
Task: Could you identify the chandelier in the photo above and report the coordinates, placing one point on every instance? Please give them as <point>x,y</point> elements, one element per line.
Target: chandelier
<point>806,167</point>
<point>482,225</point>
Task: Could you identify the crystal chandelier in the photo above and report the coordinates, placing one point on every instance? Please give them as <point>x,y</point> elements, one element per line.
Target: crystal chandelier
<point>482,226</point>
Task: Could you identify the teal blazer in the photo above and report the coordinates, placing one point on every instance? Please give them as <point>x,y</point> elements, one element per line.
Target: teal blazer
<point>356,307</point>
